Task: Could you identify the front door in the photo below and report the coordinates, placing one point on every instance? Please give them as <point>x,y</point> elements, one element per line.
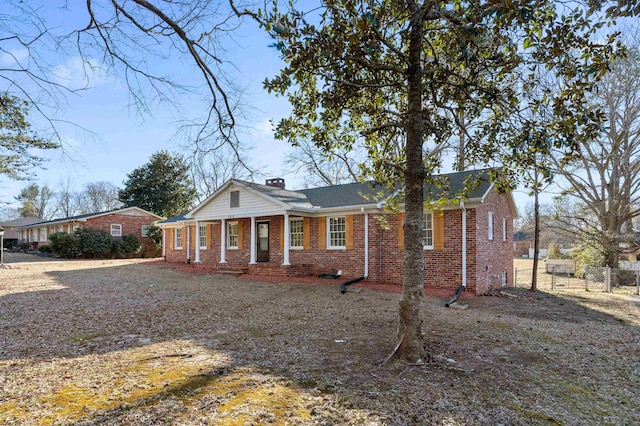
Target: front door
<point>263,242</point>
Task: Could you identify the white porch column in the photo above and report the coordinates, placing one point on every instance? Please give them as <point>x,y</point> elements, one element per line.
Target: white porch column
<point>223,241</point>
<point>188,243</point>
<point>197,242</point>
<point>253,241</point>
<point>164,243</point>
<point>287,240</point>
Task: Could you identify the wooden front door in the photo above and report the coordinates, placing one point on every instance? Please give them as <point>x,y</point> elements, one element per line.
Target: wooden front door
<point>263,242</point>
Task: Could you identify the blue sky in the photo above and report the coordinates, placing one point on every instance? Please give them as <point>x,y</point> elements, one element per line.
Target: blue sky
<point>109,138</point>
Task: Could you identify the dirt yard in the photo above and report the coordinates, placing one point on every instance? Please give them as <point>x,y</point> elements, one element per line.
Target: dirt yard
<point>120,342</point>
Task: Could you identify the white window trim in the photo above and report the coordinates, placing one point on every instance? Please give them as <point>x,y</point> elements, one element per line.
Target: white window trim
<point>490,226</point>
<point>504,229</point>
<point>329,246</point>
<point>175,238</point>
<point>425,213</point>
<point>118,227</point>
<point>291,246</point>
<point>203,247</point>
<point>144,234</point>
<point>228,236</point>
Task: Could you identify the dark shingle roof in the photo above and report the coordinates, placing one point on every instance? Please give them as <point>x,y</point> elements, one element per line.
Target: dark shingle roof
<point>349,194</point>
<point>21,221</point>
<point>174,219</point>
<point>78,217</point>
<point>293,198</point>
<point>469,185</point>
<point>450,185</point>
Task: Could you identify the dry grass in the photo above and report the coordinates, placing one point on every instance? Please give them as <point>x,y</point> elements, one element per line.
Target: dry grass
<point>128,342</point>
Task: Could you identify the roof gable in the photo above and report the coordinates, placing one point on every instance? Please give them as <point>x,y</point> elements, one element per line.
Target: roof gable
<point>254,199</point>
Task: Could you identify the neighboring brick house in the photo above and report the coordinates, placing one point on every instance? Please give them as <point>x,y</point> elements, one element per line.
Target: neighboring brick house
<point>118,223</point>
<point>267,229</point>
<point>11,231</point>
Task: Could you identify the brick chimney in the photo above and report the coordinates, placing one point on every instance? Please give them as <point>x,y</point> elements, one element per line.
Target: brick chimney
<point>277,182</point>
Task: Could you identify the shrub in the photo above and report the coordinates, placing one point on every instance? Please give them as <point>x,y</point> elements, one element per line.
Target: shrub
<point>94,242</point>
<point>155,233</point>
<point>53,239</point>
<point>554,251</point>
<point>45,249</point>
<point>117,248</point>
<point>586,256</point>
<point>64,245</point>
<point>131,244</point>
<point>125,247</point>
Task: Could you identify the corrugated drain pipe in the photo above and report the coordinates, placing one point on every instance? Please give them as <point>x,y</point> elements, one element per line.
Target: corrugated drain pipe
<point>343,286</point>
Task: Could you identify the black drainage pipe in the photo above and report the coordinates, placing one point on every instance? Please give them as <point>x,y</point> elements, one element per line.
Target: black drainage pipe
<point>343,286</point>
<point>455,297</point>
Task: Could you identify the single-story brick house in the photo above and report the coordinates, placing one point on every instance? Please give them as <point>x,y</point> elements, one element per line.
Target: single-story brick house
<point>11,232</point>
<point>118,222</point>
<point>266,229</point>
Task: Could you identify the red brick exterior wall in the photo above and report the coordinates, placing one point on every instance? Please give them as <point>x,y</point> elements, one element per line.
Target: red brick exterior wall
<point>442,266</point>
<point>130,224</point>
<point>494,257</point>
<point>323,261</point>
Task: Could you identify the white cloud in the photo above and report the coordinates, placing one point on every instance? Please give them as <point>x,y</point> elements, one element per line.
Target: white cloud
<point>10,58</point>
<point>79,74</point>
<point>263,129</point>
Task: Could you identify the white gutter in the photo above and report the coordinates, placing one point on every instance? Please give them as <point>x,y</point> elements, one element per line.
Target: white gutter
<point>366,242</point>
<point>464,244</point>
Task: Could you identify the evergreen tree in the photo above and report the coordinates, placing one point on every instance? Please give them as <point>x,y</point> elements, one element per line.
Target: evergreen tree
<point>398,75</point>
<point>162,186</point>
<point>17,140</point>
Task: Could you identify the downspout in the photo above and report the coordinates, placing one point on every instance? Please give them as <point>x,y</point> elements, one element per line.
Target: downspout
<point>454,299</point>
<point>464,244</point>
<point>366,242</point>
<point>343,286</point>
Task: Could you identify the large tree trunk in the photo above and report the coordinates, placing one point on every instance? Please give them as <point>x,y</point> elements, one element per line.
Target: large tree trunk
<point>410,327</point>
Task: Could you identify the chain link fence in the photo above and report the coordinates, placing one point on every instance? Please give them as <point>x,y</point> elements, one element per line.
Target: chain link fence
<point>595,278</point>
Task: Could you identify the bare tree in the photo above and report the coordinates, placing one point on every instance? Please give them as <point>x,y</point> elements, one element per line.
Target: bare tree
<point>9,213</point>
<point>37,202</point>
<point>603,175</point>
<point>319,168</point>
<point>99,197</point>
<point>126,39</point>
<point>210,169</point>
<point>68,198</point>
